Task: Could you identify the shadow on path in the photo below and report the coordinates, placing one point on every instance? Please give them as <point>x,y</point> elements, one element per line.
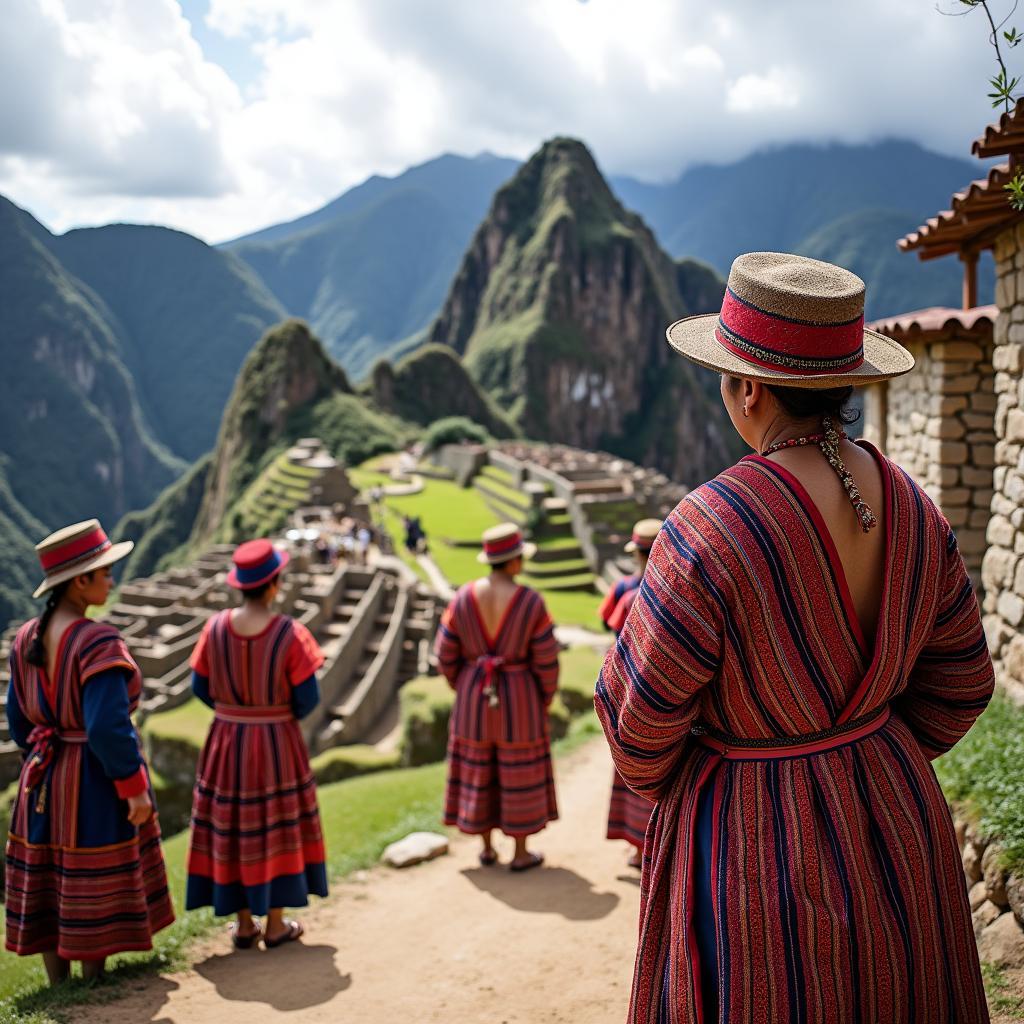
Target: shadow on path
<point>292,977</point>
<point>545,891</point>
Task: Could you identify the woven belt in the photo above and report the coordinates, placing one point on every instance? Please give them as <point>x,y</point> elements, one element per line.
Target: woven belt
<point>43,739</point>
<point>492,664</point>
<point>252,715</point>
<point>738,748</point>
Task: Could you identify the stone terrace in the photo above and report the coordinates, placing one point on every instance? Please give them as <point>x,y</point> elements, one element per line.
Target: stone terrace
<point>602,495</point>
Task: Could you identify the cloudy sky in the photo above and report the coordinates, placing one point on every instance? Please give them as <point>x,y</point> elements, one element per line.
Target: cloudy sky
<point>222,116</point>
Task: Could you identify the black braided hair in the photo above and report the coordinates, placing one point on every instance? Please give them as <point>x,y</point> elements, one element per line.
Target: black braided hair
<point>36,654</point>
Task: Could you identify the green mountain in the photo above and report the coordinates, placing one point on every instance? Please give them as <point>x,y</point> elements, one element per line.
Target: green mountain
<point>19,530</point>
<point>287,370</point>
<point>559,311</point>
<point>826,201</point>
<point>430,384</point>
<point>186,314</point>
<point>165,527</point>
<point>75,441</point>
<point>371,268</point>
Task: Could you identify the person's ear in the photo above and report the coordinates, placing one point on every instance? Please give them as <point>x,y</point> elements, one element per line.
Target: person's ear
<point>753,395</point>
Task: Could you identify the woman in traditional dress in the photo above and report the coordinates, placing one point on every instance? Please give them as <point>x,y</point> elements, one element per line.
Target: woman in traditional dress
<point>629,812</point>
<point>85,872</point>
<point>496,646</point>
<point>256,845</point>
<point>805,643</point>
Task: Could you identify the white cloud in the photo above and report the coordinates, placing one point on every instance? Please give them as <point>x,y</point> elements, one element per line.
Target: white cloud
<point>109,109</point>
<point>758,94</point>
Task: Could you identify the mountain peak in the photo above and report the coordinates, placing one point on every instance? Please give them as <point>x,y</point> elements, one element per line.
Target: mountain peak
<point>287,371</point>
<point>559,309</point>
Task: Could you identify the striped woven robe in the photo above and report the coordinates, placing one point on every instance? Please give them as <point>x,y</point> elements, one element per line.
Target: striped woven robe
<point>82,881</point>
<point>499,755</point>
<point>629,813</point>
<point>814,876</point>
<point>256,839</point>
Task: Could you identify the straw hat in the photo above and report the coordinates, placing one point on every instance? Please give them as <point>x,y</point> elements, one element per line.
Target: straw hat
<point>504,542</point>
<point>643,535</point>
<point>255,562</point>
<point>76,550</point>
<point>794,321</point>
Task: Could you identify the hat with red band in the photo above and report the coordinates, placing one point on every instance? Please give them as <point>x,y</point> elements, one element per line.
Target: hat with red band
<point>504,542</point>
<point>76,550</point>
<point>255,562</point>
<point>794,321</point>
<point>644,534</point>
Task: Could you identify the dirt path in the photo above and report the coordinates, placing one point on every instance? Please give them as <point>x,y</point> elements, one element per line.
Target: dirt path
<point>446,941</point>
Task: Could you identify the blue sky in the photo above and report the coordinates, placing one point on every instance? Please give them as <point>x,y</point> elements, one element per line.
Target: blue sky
<point>221,116</point>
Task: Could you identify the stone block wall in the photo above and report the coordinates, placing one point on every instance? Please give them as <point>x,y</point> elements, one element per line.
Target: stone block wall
<point>938,424</point>
<point>1003,570</point>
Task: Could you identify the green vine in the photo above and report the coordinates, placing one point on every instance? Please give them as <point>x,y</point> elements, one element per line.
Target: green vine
<point>1003,85</point>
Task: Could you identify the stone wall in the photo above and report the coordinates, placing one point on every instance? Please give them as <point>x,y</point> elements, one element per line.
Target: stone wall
<point>1003,571</point>
<point>996,897</point>
<point>937,423</point>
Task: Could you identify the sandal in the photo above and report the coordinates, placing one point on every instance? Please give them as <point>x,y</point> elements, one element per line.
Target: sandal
<point>295,931</point>
<point>487,858</point>
<point>245,941</point>
<point>535,861</point>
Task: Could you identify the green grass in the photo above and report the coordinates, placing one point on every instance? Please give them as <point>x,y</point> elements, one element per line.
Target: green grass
<point>982,774</point>
<point>189,721</point>
<point>557,543</point>
<point>579,670</point>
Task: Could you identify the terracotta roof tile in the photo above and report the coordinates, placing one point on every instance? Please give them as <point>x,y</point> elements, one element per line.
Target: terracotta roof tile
<point>1004,137</point>
<point>938,323</point>
<point>977,214</point>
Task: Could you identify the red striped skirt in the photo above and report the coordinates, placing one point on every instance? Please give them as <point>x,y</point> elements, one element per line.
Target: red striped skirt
<point>86,903</point>
<point>256,838</point>
<point>628,814</point>
<point>507,786</point>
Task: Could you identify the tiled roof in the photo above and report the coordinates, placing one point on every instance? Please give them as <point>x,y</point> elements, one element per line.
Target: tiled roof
<point>978,213</point>
<point>1004,137</point>
<point>938,323</point>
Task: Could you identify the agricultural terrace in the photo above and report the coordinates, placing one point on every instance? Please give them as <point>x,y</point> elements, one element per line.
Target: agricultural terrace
<point>454,518</point>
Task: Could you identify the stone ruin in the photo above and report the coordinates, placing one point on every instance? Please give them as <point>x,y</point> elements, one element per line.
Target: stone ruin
<point>556,490</point>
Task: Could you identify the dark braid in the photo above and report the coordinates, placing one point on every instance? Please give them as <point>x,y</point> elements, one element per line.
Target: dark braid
<point>36,654</point>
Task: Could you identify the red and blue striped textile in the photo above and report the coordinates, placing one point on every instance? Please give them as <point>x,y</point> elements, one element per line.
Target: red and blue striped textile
<point>81,880</point>
<point>797,886</point>
<point>616,592</point>
<point>256,840</point>
<point>499,757</point>
<point>628,813</point>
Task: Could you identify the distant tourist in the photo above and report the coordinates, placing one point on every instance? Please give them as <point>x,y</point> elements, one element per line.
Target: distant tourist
<point>256,844</point>
<point>629,813</point>
<point>85,873</point>
<point>420,535</point>
<point>412,533</point>
<point>805,642</point>
<point>496,646</point>
<point>364,537</point>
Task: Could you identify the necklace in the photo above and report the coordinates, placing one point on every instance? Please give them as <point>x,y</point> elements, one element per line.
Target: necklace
<point>828,441</point>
